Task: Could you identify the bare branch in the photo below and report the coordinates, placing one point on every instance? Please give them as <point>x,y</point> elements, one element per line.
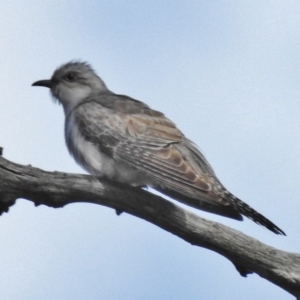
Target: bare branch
<point>57,189</point>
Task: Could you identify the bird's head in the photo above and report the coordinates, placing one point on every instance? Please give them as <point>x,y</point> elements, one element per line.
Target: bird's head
<point>73,82</point>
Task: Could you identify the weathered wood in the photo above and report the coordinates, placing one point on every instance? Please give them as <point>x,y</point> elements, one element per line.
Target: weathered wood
<point>57,189</point>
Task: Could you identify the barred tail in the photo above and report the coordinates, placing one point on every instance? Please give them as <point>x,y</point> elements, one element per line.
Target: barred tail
<point>252,214</point>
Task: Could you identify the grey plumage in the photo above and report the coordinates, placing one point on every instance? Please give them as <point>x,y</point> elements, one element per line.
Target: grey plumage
<point>122,139</point>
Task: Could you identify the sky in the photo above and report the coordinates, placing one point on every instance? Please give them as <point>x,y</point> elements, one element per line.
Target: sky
<point>226,72</point>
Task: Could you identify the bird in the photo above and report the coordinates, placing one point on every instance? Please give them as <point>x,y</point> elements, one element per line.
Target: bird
<point>118,138</point>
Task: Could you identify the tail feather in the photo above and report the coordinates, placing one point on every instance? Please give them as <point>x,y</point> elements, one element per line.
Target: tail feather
<point>222,210</point>
<point>252,214</point>
<point>233,208</point>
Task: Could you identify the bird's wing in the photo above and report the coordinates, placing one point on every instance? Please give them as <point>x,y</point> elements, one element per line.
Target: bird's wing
<point>152,144</point>
<point>155,147</point>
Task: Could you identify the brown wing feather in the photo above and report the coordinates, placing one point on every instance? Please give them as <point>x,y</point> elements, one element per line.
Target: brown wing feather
<point>157,148</point>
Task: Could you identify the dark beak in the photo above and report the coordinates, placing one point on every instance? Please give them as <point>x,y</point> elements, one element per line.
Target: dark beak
<point>45,83</point>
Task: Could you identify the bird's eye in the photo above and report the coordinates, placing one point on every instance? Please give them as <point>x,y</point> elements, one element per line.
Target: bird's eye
<point>70,77</point>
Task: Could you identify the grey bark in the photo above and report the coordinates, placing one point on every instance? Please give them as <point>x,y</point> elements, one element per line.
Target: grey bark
<point>56,189</point>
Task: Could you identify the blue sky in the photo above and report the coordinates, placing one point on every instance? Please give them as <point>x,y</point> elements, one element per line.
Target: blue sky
<point>226,72</point>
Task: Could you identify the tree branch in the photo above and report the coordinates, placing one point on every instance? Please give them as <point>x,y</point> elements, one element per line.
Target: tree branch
<point>57,189</point>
